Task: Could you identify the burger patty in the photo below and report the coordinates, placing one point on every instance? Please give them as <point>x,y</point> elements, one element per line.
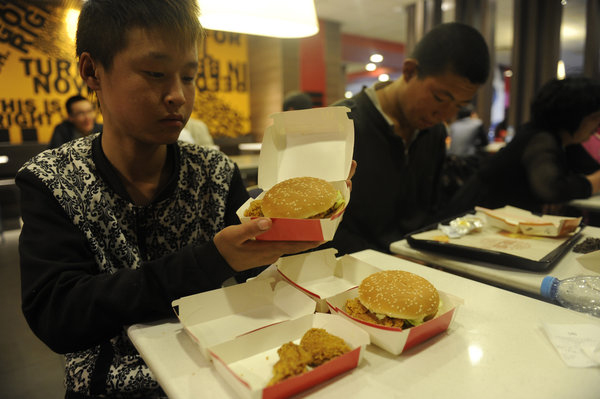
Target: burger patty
<point>357,310</point>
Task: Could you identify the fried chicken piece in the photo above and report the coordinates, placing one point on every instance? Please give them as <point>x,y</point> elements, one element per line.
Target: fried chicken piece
<point>254,209</point>
<point>357,310</point>
<point>322,346</point>
<point>293,360</point>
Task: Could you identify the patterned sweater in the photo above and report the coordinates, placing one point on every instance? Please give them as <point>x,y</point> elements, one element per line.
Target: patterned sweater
<point>93,262</point>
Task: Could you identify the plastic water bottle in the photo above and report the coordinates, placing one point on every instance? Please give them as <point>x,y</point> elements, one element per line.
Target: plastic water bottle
<point>581,293</point>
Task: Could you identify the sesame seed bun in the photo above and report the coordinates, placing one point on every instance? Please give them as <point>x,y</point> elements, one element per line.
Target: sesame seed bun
<point>299,198</point>
<point>399,294</point>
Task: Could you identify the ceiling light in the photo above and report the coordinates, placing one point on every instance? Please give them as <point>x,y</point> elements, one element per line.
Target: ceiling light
<point>71,23</point>
<point>370,66</point>
<point>376,58</point>
<point>348,94</point>
<point>384,77</point>
<point>275,18</point>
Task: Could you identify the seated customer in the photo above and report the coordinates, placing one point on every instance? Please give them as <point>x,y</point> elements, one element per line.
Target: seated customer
<point>467,135</point>
<point>532,171</point>
<point>81,121</point>
<point>119,224</point>
<point>400,137</point>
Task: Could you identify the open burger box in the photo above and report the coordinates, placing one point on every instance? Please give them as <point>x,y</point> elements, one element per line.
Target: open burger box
<point>515,220</point>
<point>397,340</point>
<point>317,142</point>
<point>241,327</point>
<point>321,275</point>
<point>330,281</point>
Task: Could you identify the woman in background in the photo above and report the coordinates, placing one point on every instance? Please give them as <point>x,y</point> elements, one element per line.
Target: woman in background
<point>533,171</point>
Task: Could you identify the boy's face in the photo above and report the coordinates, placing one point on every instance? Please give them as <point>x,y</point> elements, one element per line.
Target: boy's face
<point>435,99</point>
<point>148,94</point>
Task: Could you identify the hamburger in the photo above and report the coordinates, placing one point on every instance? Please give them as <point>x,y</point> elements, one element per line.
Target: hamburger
<point>298,198</point>
<point>394,298</point>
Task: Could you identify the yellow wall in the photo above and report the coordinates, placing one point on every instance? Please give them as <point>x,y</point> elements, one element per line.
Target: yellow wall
<point>38,72</point>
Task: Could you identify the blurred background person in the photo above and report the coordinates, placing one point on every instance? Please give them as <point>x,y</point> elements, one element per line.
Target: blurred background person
<point>196,131</point>
<point>297,100</point>
<point>467,135</point>
<point>80,122</point>
<point>533,172</point>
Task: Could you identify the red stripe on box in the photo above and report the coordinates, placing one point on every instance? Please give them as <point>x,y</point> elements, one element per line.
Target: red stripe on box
<point>297,286</point>
<point>293,230</point>
<point>317,375</point>
<point>429,329</point>
<point>237,377</point>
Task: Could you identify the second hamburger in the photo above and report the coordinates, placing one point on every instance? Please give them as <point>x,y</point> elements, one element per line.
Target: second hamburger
<point>298,198</point>
<point>394,298</point>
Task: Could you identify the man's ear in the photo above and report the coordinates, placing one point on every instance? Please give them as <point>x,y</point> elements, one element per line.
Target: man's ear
<point>88,71</point>
<point>410,69</point>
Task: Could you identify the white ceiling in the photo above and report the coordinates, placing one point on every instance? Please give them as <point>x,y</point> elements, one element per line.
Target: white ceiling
<point>386,20</point>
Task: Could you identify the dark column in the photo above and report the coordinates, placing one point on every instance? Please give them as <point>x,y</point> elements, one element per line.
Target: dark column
<point>481,14</point>
<point>536,51</point>
<point>591,60</point>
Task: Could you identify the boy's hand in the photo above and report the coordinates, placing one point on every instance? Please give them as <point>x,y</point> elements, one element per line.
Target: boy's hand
<point>236,245</point>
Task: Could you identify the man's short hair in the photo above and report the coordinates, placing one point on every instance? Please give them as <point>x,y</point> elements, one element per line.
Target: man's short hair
<point>103,24</point>
<point>562,104</point>
<point>72,100</point>
<point>453,47</point>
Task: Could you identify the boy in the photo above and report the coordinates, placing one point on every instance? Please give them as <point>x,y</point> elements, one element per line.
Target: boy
<point>117,225</point>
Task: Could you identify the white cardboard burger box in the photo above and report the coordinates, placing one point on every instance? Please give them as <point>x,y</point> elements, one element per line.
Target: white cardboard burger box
<point>317,142</point>
<point>516,220</point>
<point>221,315</point>
<point>246,363</point>
<point>396,340</point>
<point>321,275</point>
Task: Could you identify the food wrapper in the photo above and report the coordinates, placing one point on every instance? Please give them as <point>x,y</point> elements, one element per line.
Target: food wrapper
<point>462,226</point>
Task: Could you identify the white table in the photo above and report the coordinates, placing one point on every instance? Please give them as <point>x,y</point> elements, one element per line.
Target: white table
<point>515,279</point>
<point>494,349</point>
<point>592,203</point>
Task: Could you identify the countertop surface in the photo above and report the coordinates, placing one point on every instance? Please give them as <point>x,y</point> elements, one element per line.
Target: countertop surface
<point>495,348</point>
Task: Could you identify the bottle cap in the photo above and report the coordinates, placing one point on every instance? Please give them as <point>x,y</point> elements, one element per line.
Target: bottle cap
<point>546,287</point>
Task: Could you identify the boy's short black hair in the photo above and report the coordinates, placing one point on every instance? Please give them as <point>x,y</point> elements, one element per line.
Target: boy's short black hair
<point>562,104</point>
<point>453,47</point>
<point>103,24</point>
<point>72,100</point>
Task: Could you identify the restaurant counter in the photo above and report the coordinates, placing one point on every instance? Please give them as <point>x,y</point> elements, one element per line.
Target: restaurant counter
<point>495,348</point>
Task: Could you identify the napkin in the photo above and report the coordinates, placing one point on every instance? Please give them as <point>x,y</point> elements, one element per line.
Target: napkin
<point>577,344</point>
<point>590,261</point>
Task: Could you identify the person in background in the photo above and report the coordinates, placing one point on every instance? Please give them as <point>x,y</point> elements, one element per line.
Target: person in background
<point>119,224</point>
<point>195,131</point>
<point>400,137</point>
<point>532,172</point>
<point>467,135</point>
<point>297,100</point>
<point>80,122</point>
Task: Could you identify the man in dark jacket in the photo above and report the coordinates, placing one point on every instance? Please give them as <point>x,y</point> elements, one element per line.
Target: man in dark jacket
<point>400,137</point>
<point>80,122</point>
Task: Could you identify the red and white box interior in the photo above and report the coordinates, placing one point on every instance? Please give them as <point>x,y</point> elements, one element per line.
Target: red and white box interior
<point>317,142</point>
<point>396,340</point>
<point>321,275</point>
<point>221,315</point>
<point>246,363</point>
